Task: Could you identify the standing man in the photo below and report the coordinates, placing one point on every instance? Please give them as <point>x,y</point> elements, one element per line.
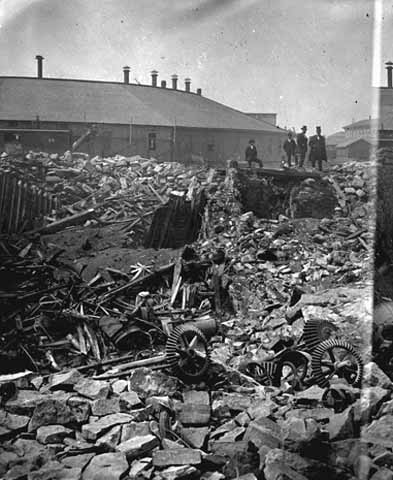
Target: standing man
<point>252,154</point>
<point>301,150</point>
<point>290,148</point>
<point>317,146</point>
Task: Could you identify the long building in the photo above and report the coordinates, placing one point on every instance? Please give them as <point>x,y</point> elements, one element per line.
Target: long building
<point>151,120</point>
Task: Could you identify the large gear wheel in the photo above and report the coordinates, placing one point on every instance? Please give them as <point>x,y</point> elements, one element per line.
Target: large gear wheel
<point>187,353</point>
<point>317,331</point>
<point>336,358</point>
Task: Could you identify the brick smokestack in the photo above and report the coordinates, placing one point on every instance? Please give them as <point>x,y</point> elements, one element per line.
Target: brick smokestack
<point>174,82</point>
<point>389,68</point>
<point>154,75</point>
<point>187,83</point>
<point>126,74</point>
<point>39,59</point>
<point>163,83</point>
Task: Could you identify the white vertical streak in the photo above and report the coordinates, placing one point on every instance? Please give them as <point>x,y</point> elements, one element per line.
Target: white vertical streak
<point>377,53</point>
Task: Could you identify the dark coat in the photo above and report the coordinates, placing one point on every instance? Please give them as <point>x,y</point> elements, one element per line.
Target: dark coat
<point>251,153</point>
<point>301,140</point>
<point>317,148</point>
<point>290,146</point>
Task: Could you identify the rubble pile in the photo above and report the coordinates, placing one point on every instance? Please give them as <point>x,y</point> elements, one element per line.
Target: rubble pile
<point>89,412</point>
<point>149,426</point>
<point>103,190</point>
<point>355,186</point>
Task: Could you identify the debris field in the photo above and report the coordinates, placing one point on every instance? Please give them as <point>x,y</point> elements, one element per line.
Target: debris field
<point>161,323</point>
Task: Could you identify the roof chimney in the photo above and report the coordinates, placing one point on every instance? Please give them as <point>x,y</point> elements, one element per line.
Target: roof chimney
<point>174,82</point>
<point>154,75</point>
<point>199,91</point>
<point>187,83</point>
<point>39,59</point>
<point>389,68</point>
<point>126,74</point>
<point>163,83</point>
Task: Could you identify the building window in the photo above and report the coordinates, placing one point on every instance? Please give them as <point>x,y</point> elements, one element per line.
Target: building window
<point>152,141</point>
<point>13,123</point>
<point>210,147</point>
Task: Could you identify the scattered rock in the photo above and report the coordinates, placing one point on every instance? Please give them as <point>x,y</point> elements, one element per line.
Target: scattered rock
<point>53,434</point>
<point>119,386</point>
<point>129,401</point>
<point>77,461</point>
<point>263,432</point>
<point>182,456</point>
<point>51,412</point>
<point>341,425</point>
<point>24,402</point>
<point>80,408</point>
<point>91,431</point>
<point>105,406</point>
<point>107,466</point>
<point>135,429</point>
<point>311,396</point>
<point>375,377</point>
<point>195,436</point>
<point>141,469</point>
<point>64,381</point>
<point>92,389</point>
<point>12,422</point>
<point>174,473</point>
<point>148,383</point>
<point>138,446</point>
<point>382,474</point>
<point>379,432</point>
<point>370,400</point>
<point>55,471</point>
<point>110,439</point>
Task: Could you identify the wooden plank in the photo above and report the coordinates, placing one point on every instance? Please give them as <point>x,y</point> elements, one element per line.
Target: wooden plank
<point>11,210</point>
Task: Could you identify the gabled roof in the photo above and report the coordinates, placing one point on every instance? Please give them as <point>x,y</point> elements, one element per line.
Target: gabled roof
<point>335,138</point>
<point>351,141</point>
<point>66,100</point>
<point>366,123</point>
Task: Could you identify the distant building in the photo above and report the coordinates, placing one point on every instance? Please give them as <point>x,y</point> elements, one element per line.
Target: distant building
<point>331,143</point>
<point>354,149</point>
<point>362,128</point>
<point>385,130</point>
<point>354,143</point>
<point>154,121</point>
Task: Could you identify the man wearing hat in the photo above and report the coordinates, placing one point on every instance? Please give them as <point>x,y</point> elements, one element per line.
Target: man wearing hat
<point>252,154</point>
<point>317,146</point>
<point>301,148</point>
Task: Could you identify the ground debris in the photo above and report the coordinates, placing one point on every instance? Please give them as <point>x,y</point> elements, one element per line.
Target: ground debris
<point>92,405</point>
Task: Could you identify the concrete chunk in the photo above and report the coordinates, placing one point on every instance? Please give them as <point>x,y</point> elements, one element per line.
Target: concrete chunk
<point>138,446</point>
<point>91,431</point>
<point>182,456</point>
<point>107,466</point>
<point>53,434</point>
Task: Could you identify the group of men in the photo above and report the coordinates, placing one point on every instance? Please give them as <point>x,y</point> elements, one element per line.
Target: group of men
<point>296,150</point>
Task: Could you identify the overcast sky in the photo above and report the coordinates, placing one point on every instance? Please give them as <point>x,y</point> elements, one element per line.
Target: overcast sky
<point>310,61</point>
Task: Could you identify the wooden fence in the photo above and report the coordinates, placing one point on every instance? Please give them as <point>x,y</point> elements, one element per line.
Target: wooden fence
<point>22,207</point>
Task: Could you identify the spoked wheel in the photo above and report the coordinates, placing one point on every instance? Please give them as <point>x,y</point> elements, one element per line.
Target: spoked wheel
<point>336,359</point>
<point>187,353</point>
<point>258,373</point>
